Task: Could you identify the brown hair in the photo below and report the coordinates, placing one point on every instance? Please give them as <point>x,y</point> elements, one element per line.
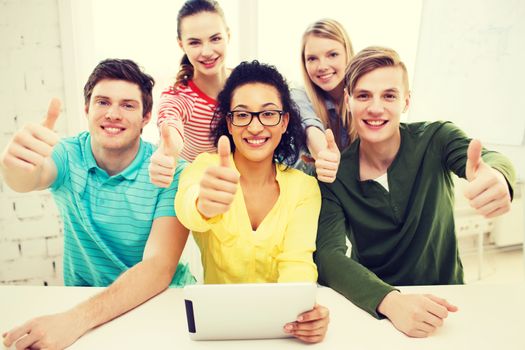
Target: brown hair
<point>329,29</point>
<point>369,59</point>
<point>190,8</point>
<point>122,69</point>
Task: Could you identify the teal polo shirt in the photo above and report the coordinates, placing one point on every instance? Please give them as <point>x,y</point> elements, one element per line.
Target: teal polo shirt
<point>107,219</point>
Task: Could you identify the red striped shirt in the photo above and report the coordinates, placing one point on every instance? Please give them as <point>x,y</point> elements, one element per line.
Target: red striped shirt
<point>189,111</point>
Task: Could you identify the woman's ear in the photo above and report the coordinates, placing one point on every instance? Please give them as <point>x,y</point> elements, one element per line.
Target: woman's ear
<point>229,125</point>
<point>284,122</point>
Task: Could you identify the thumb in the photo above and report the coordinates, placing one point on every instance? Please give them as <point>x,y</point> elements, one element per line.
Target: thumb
<point>473,159</point>
<point>53,111</point>
<point>443,302</point>
<point>166,143</point>
<point>330,141</point>
<point>224,150</point>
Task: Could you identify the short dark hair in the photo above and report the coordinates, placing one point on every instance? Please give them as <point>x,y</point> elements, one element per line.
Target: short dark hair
<point>293,140</point>
<point>122,69</point>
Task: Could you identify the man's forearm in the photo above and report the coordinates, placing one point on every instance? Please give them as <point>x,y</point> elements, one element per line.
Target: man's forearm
<point>135,286</point>
<point>21,181</point>
<point>353,280</point>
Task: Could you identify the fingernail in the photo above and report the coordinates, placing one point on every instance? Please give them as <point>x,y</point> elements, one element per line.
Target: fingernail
<point>288,327</point>
<point>300,318</point>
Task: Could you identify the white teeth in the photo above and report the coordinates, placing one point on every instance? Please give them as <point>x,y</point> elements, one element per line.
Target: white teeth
<point>255,141</point>
<point>325,76</point>
<point>375,122</point>
<point>112,130</point>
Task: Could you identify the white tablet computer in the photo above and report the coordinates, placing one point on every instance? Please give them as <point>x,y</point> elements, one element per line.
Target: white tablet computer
<point>245,311</point>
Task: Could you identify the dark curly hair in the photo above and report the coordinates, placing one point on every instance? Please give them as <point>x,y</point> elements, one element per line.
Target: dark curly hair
<point>293,140</point>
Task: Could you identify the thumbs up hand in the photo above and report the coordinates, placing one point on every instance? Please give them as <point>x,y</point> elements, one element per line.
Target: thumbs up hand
<point>327,161</point>
<point>487,189</point>
<point>163,161</point>
<point>33,144</point>
<point>219,184</point>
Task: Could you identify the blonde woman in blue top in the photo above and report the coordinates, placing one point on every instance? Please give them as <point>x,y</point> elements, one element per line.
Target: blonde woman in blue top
<point>326,50</point>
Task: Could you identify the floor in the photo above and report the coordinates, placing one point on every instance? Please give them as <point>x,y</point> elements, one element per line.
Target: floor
<point>498,266</point>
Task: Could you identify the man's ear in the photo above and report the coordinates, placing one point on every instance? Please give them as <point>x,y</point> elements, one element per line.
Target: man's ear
<point>347,99</point>
<point>86,109</point>
<point>180,44</point>
<point>407,102</point>
<point>146,119</point>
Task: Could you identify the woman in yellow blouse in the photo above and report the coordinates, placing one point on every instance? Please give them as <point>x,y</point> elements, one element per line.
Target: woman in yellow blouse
<point>253,217</point>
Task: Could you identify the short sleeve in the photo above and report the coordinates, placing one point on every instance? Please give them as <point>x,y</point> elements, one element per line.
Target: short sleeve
<point>60,158</point>
<point>308,116</point>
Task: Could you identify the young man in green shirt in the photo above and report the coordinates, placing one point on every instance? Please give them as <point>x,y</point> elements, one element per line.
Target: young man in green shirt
<point>393,198</point>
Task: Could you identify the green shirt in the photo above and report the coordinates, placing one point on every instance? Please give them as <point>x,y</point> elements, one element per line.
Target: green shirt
<point>404,236</point>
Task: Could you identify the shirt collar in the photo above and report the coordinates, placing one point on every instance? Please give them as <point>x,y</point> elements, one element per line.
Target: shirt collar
<point>129,173</point>
<point>329,103</point>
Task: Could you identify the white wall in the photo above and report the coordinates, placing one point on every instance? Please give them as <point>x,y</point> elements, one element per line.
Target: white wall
<point>147,34</point>
<point>377,22</point>
<point>31,72</point>
<point>37,36</point>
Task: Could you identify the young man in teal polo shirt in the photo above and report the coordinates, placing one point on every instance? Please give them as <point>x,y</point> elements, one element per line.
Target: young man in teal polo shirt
<point>394,199</point>
<point>119,229</point>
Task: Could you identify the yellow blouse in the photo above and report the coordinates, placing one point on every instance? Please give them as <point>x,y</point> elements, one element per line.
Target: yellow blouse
<point>281,248</point>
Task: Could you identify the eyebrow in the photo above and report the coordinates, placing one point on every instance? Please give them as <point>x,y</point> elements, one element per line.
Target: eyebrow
<point>368,91</point>
<point>211,36</point>
<point>392,90</point>
<point>107,98</point>
<point>268,104</point>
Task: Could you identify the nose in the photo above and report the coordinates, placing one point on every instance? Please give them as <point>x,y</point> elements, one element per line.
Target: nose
<point>255,126</point>
<point>376,107</point>
<point>113,112</point>
<point>323,65</point>
<point>207,49</point>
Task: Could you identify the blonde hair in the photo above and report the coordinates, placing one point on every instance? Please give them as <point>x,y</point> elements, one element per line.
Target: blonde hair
<point>328,29</point>
<point>369,59</point>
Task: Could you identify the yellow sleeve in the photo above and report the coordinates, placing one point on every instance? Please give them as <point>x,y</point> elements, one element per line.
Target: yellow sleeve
<point>188,191</point>
<point>295,263</point>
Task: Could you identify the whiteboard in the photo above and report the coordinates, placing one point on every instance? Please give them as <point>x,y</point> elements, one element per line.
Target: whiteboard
<point>470,68</point>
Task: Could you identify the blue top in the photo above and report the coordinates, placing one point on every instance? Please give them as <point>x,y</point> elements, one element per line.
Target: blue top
<point>107,219</point>
<point>309,118</point>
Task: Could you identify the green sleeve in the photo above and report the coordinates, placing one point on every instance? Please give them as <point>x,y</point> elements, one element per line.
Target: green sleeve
<point>336,270</point>
<point>454,145</point>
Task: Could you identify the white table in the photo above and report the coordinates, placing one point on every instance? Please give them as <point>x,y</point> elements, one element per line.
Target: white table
<point>489,317</point>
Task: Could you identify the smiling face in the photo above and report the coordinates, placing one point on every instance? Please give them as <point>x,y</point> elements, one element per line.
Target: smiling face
<point>376,104</point>
<point>325,62</point>
<point>204,38</point>
<point>256,142</point>
<point>115,116</point>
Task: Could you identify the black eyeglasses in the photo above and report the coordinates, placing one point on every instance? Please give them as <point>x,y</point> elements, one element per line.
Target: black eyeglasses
<point>266,118</point>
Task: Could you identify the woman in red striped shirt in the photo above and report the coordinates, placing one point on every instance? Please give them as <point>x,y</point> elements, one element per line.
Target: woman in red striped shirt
<point>186,108</point>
